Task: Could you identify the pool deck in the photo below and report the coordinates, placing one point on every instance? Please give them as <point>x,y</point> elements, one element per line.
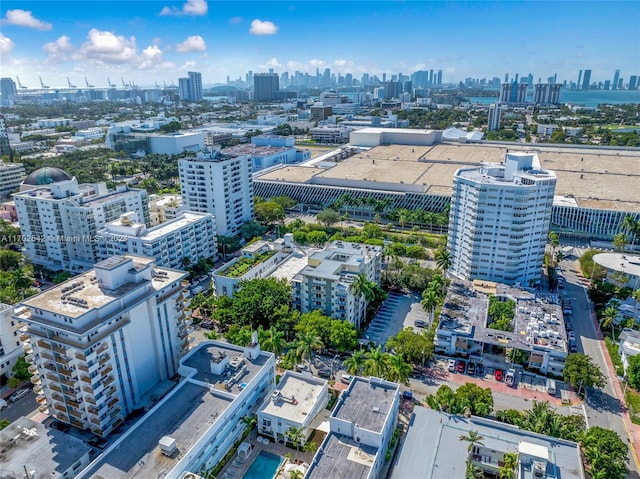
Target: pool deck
<point>236,468</point>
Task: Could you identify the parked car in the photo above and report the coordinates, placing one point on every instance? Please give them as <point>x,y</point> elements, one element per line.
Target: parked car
<point>3,404</point>
<point>480,370</point>
<point>471,368</point>
<point>451,365</point>
<point>551,387</point>
<point>346,378</point>
<point>418,323</point>
<point>510,377</point>
<point>573,347</point>
<point>460,366</point>
<point>568,325</point>
<point>324,373</point>
<point>571,335</point>
<point>407,395</point>
<point>19,394</point>
<point>499,375</point>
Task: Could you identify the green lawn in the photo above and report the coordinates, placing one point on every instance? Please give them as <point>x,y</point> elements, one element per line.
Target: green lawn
<point>612,347</point>
<point>632,398</point>
<point>616,127</point>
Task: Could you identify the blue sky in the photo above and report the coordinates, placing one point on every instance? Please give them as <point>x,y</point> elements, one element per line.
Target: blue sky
<point>160,40</point>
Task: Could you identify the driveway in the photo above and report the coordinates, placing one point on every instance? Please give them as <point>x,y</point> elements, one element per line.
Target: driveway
<point>399,311</point>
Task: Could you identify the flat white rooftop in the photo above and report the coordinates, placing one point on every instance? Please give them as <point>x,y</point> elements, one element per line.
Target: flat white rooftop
<point>295,397</point>
<point>624,263</point>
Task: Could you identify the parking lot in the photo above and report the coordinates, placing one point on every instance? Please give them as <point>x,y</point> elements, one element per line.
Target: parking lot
<point>399,311</point>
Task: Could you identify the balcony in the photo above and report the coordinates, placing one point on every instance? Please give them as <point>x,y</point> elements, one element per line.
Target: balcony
<point>81,356</point>
<point>41,399</point>
<point>60,408</point>
<point>59,350</point>
<point>43,344</point>
<point>76,423</point>
<point>95,421</point>
<point>33,369</point>
<point>62,360</point>
<point>47,356</point>
<point>108,381</point>
<point>104,358</point>
<point>103,347</point>
<point>35,379</point>
<point>43,408</point>
<point>24,337</point>
<point>76,414</point>
<point>38,390</point>
<point>113,402</point>
<point>55,387</point>
<point>30,359</point>
<point>106,372</point>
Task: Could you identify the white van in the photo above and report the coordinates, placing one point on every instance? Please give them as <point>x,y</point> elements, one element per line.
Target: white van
<point>3,404</point>
<point>346,378</point>
<point>551,387</point>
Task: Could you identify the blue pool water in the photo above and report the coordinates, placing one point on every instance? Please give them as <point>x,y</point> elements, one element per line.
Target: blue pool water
<point>264,466</point>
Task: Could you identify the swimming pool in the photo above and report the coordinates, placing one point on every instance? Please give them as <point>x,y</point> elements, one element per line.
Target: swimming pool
<point>264,466</point>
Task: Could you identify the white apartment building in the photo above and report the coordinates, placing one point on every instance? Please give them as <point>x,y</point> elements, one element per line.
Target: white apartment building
<point>11,175</point>
<point>295,403</point>
<point>10,349</point>
<point>194,426</point>
<point>495,115</point>
<point>499,220</point>
<point>101,340</point>
<point>361,426</point>
<point>222,186</point>
<point>174,244</point>
<point>59,218</point>
<point>326,282</point>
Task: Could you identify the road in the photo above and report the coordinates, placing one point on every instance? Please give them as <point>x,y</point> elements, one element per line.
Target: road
<point>25,406</point>
<point>602,406</point>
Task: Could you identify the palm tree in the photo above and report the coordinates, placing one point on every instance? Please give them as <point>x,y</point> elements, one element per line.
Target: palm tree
<point>620,242</point>
<point>376,363</point>
<point>274,341</point>
<point>609,315</point>
<point>307,344</point>
<point>509,465</point>
<point>355,363</point>
<point>402,218</point>
<point>437,284</point>
<point>21,280</point>
<point>361,286</point>
<point>631,227</point>
<point>473,438</point>
<point>443,260</point>
<point>398,369</point>
<point>296,474</point>
<point>248,421</point>
<point>430,301</point>
<point>636,296</point>
<point>296,436</point>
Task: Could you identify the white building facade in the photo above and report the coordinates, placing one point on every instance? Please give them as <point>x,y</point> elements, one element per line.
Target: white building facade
<point>499,220</point>
<point>59,221</point>
<point>99,341</point>
<point>326,282</point>
<point>10,348</point>
<point>177,243</point>
<point>11,175</point>
<point>222,186</point>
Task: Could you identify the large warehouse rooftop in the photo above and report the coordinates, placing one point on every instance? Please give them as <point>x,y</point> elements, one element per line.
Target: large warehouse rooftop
<point>598,178</point>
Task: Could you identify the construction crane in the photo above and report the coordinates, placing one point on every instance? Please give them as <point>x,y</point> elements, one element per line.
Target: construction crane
<point>123,83</point>
<point>22,87</point>
<point>87,83</point>
<point>157,86</point>
<point>70,85</point>
<point>44,87</point>
<point>111,85</point>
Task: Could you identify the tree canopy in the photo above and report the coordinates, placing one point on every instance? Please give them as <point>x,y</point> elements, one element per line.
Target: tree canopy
<point>581,372</point>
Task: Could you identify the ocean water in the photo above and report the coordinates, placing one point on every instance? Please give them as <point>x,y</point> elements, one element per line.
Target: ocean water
<point>590,98</point>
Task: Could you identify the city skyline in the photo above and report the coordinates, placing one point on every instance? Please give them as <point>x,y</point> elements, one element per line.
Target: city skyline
<point>145,42</point>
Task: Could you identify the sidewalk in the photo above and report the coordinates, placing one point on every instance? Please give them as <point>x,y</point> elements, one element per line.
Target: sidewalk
<point>633,430</point>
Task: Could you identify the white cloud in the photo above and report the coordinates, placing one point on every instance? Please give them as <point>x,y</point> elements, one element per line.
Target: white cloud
<point>235,20</point>
<point>24,18</point>
<point>193,43</point>
<point>258,27</point>
<point>107,47</point>
<point>59,50</point>
<point>151,57</point>
<point>191,8</point>
<point>271,63</point>
<point>6,44</point>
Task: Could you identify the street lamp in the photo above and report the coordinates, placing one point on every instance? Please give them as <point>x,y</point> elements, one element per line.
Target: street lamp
<point>332,363</point>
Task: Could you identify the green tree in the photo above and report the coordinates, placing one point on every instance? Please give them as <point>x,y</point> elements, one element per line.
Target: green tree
<point>255,301</point>
<point>605,453</point>
<point>430,301</point>
<point>354,364</point>
<point>620,242</point>
<point>9,260</point>
<point>328,217</point>
<point>396,249</point>
<point>343,335</point>
<point>306,345</point>
<point>414,347</point>
<point>361,286</point>
<point>274,341</point>
<point>252,229</point>
<point>477,400</point>
<point>317,238</point>
<point>295,435</point>
<point>633,372</point>
<point>20,369</point>
<point>581,372</point>
<point>443,260</point>
<point>509,465</point>
<point>609,315</point>
<point>631,227</point>
<point>398,369</point>
<point>284,201</point>
<point>473,438</point>
<point>376,363</point>
<point>4,423</point>
<point>249,421</point>
<point>268,212</point>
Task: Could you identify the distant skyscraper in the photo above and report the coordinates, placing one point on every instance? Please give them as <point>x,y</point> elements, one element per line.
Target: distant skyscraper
<point>431,77</point>
<point>513,92</point>
<point>8,89</point>
<point>195,86</point>
<point>265,85</point>
<point>183,88</point>
<point>616,78</point>
<point>633,82</point>
<point>495,113</point>
<point>579,84</point>
<point>547,93</point>
<point>439,82</point>
<point>586,81</point>
<point>607,85</point>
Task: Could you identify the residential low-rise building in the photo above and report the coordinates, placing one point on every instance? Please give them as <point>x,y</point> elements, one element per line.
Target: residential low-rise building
<point>100,341</point>
<point>295,403</point>
<point>433,448</point>
<point>194,426</point>
<point>326,283</point>
<point>537,328</point>
<point>360,429</point>
<point>11,175</point>
<point>623,269</point>
<point>628,345</point>
<point>164,208</point>
<point>177,243</point>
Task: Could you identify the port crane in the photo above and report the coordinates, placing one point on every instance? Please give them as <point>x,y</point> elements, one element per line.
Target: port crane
<point>86,82</point>
<point>69,83</point>
<point>44,87</point>
<point>22,87</point>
